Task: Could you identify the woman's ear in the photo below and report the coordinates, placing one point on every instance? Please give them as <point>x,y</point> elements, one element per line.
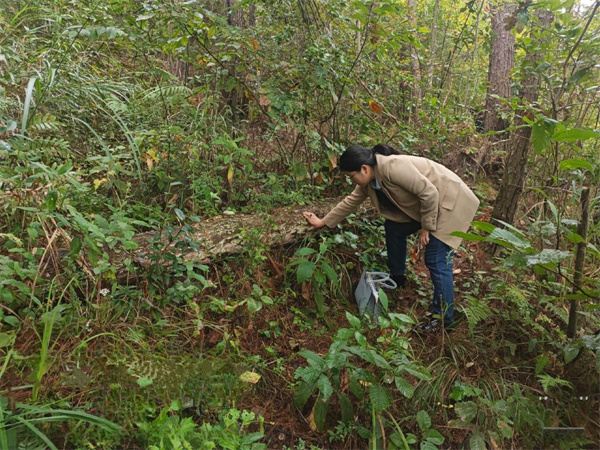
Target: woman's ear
<point>365,169</point>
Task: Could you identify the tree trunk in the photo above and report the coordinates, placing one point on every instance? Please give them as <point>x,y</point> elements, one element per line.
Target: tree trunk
<point>582,230</point>
<point>515,170</point>
<point>436,11</point>
<point>238,103</point>
<point>411,6</point>
<point>502,60</point>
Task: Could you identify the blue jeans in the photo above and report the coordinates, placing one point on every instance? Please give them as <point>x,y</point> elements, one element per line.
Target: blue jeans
<point>438,259</point>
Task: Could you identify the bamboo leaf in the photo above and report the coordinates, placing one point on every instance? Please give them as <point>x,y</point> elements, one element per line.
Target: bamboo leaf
<point>37,432</point>
<point>27,105</point>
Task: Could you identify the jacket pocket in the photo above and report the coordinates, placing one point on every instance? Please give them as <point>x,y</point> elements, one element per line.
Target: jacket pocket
<point>451,195</point>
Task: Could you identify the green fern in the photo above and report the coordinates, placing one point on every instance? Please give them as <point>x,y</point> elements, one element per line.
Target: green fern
<point>166,92</point>
<point>476,312</point>
<point>48,143</point>
<point>548,381</point>
<point>43,123</point>
<point>555,308</point>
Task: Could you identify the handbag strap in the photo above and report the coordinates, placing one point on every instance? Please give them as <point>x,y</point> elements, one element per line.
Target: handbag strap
<point>382,279</point>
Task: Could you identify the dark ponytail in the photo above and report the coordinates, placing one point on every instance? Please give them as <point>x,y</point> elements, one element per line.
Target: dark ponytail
<point>356,156</point>
<point>385,150</point>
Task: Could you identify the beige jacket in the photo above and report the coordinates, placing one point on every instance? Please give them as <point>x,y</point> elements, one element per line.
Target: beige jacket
<point>423,190</point>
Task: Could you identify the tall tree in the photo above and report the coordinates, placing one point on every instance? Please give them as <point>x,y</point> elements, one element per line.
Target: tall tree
<point>515,169</point>
<point>502,59</point>
<point>411,6</point>
<point>238,103</point>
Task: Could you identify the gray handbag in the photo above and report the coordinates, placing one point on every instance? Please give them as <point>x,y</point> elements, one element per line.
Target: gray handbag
<point>367,292</point>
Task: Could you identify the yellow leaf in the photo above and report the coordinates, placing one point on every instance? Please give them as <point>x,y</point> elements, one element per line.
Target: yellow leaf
<point>150,163</point>
<point>230,176</point>
<point>333,161</point>
<point>98,182</point>
<point>311,418</point>
<point>152,154</point>
<point>264,101</point>
<point>254,43</point>
<point>250,377</point>
<point>375,107</point>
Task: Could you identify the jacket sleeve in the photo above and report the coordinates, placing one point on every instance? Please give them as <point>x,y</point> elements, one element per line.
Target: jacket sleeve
<point>407,176</point>
<point>346,207</point>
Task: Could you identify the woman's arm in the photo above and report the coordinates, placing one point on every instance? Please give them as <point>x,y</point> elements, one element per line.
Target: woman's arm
<point>339,212</point>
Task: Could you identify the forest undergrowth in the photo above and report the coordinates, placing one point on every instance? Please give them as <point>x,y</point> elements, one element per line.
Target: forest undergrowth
<point>130,121</point>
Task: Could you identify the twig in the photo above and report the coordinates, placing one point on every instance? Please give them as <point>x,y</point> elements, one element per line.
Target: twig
<point>41,270</point>
<point>347,77</point>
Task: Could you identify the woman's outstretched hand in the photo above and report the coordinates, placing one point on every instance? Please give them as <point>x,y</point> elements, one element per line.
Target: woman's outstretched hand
<point>424,237</point>
<point>314,221</point>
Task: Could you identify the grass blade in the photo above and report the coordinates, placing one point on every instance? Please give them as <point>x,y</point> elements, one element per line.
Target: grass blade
<point>37,432</point>
<point>28,97</point>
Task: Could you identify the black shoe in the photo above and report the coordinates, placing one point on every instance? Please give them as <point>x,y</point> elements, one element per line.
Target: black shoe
<point>400,280</point>
<point>432,326</point>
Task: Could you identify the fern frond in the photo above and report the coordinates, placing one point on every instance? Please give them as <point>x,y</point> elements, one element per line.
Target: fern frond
<point>166,92</point>
<point>48,143</point>
<point>46,122</point>
<point>476,312</point>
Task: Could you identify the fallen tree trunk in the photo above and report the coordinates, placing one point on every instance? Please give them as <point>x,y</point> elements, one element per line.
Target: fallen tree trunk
<point>226,234</point>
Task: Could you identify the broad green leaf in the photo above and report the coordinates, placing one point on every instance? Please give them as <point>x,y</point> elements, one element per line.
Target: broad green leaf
<point>380,397</point>
<point>466,411</point>
<point>507,237</point>
<point>421,374</point>
<point>477,442</point>
<point>423,420</point>
<point>51,199</point>
<point>320,413</point>
<point>428,445</point>
<point>179,213</point>
<point>575,163</point>
<point>383,298</point>
<point>305,251</point>
<point>5,340</point>
<point>434,437</point>
<point>303,393</point>
<point>404,387</point>
<point>483,226</point>
<point>468,236</point>
<point>75,246</point>
<point>354,321</point>
<point>541,134</point>
<point>144,381</point>
<point>312,358</point>
<point>325,267</point>
<point>370,356</point>
<point>571,350</point>
<point>347,410</point>
<point>305,271</point>
<point>579,75</point>
<point>547,256</point>
<point>574,134</point>
<point>402,318</point>
<point>325,387</point>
